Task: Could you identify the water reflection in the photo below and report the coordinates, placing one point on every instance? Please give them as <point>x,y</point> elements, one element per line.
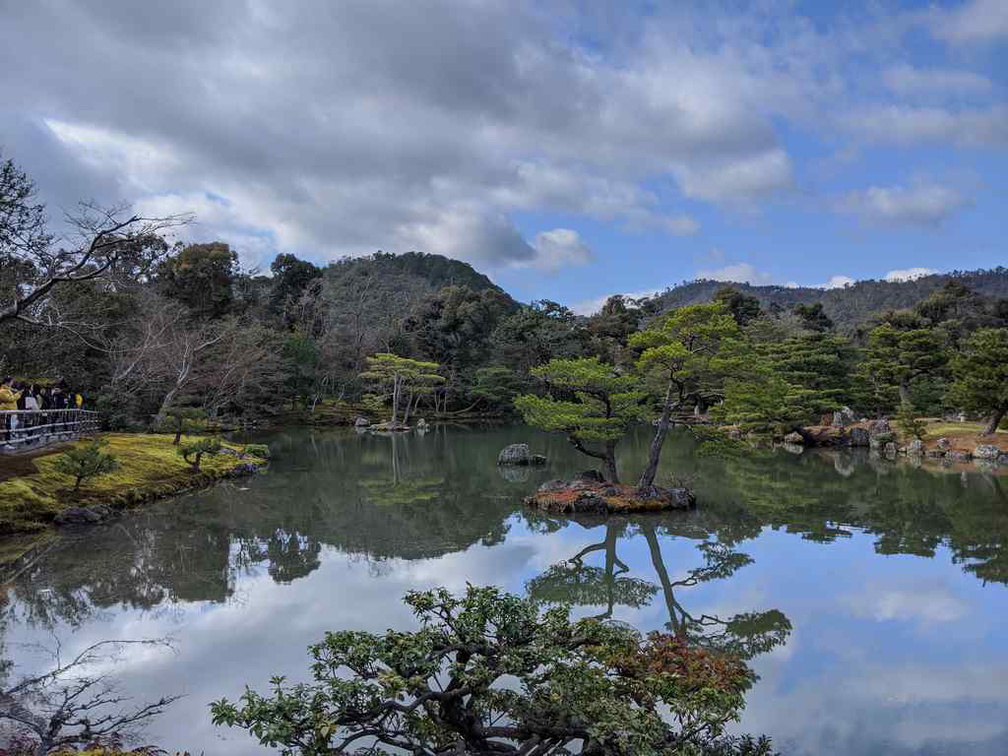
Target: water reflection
<point>745,634</point>
<point>842,578</point>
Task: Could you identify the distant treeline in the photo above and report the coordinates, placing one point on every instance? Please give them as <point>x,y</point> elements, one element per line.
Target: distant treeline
<point>146,329</point>
<point>847,306</point>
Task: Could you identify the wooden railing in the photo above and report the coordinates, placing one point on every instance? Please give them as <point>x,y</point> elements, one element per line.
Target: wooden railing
<point>32,429</point>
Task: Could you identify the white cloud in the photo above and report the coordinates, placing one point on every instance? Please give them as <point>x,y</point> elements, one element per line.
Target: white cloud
<point>907,80</point>
<point>909,274</point>
<point>739,180</point>
<point>835,282</point>
<point>923,604</point>
<point>906,126</point>
<point>560,248</point>
<point>923,203</point>
<point>737,273</point>
<point>975,21</point>
<point>416,131</point>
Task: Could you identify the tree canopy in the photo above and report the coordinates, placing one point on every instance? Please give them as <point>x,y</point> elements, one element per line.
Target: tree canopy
<point>589,401</point>
<point>981,375</point>
<point>444,688</point>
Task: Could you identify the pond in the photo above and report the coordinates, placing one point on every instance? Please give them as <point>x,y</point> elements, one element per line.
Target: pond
<point>870,597</point>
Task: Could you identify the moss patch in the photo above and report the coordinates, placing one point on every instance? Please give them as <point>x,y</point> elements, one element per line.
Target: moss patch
<point>582,496</point>
<point>149,469</point>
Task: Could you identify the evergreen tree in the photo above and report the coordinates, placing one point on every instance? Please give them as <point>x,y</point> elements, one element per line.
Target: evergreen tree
<point>589,401</point>
<point>896,357</point>
<point>84,462</point>
<point>681,351</point>
<point>401,378</point>
<point>981,375</point>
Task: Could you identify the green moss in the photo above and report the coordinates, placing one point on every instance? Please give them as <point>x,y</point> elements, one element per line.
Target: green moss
<point>149,468</point>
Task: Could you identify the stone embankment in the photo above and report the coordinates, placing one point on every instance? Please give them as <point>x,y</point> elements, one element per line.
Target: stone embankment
<point>879,436</point>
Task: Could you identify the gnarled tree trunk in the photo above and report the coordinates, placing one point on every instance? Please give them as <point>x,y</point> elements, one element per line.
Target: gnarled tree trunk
<point>994,422</point>
<point>654,456</point>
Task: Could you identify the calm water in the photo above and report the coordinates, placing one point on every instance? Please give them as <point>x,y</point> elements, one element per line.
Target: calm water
<point>870,598</point>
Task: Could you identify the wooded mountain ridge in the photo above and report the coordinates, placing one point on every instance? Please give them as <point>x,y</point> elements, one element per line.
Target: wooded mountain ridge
<point>848,306</point>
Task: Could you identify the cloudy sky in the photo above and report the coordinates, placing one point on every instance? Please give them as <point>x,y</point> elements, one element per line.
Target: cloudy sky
<point>569,150</point>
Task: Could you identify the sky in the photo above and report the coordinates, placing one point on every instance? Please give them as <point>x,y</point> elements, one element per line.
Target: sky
<point>570,150</point>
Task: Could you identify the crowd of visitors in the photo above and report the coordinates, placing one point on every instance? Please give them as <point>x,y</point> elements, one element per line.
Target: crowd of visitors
<point>19,396</point>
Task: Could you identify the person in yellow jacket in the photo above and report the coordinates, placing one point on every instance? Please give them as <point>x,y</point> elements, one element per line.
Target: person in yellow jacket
<point>8,396</point>
<point>8,401</point>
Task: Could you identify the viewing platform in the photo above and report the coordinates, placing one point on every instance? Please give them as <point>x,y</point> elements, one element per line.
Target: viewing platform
<point>28,430</point>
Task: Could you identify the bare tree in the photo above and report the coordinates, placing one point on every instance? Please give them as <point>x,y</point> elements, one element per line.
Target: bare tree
<point>99,241</point>
<point>241,363</point>
<point>73,704</point>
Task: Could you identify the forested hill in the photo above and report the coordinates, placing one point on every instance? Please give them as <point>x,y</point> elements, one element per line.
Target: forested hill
<point>847,306</point>
<point>435,270</point>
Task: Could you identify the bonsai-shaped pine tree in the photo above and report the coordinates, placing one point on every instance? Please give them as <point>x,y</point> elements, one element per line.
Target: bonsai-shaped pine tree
<point>589,401</point>
<point>402,379</point>
<point>182,419</point>
<point>680,352</point>
<point>88,461</point>
<point>981,375</point>
<point>489,673</point>
<point>193,451</point>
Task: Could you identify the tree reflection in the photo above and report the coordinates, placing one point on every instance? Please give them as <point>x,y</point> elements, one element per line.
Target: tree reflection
<point>745,635</point>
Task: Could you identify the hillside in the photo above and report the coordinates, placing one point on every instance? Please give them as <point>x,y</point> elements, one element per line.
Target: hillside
<point>434,271</point>
<point>847,306</point>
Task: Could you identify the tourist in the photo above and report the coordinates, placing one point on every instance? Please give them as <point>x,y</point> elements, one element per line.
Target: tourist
<point>79,400</point>
<point>9,398</point>
<point>31,404</point>
<point>59,398</point>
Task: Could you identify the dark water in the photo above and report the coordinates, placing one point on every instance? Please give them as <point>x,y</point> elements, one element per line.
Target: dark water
<point>870,598</point>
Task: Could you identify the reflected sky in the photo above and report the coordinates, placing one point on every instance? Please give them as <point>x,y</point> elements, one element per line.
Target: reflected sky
<point>869,598</point>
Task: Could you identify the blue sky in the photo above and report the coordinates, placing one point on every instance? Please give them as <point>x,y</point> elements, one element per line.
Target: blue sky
<point>570,151</point>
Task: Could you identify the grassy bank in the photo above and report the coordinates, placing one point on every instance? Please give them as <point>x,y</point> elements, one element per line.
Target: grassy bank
<point>32,492</point>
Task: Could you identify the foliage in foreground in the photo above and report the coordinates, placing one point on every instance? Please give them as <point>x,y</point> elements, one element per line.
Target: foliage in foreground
<point>490,673</point>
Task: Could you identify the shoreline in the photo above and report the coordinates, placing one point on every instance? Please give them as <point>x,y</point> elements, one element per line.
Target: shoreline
<point>35,497</point>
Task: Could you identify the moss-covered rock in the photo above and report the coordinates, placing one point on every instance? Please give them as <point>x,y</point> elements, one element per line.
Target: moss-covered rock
<point>583,495</point>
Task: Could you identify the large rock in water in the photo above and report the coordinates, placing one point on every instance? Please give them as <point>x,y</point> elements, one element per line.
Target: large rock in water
<point>519,454</point>
<point>879,426</point>
<point>795,438</point>
<point>361,422</point>
<point>843,417</point>
<point>860,436</point>
<point>81,516</point>
<point>986,451</point>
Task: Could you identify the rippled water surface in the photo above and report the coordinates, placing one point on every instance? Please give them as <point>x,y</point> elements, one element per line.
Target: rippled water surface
<point>871,598</point>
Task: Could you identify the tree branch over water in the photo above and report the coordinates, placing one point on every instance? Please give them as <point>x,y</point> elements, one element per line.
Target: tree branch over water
<point>74,703</point>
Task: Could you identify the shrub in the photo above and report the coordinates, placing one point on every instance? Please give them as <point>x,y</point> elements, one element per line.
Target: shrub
<point>193,451</point>
<point>257,450</point>
<point>181,420</point>
<point>908,422</point>
<point>89,461</point>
